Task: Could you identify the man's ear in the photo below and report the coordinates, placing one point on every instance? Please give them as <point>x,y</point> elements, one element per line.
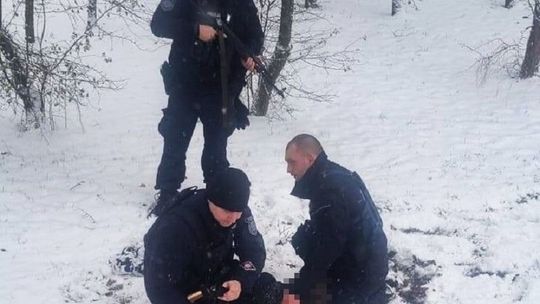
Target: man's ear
<point>311,157</point>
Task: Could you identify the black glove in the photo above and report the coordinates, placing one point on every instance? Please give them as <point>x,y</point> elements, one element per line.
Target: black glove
<point>301,239</point>
<point>168,77</point>
<point>213,292</point>
<point>241,115</point>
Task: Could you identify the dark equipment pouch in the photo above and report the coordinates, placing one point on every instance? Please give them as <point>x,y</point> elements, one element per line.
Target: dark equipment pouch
<point>241,114</point>
<point>167,73</point>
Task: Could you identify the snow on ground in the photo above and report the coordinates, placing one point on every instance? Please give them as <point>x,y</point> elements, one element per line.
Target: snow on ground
<point>452,164</point>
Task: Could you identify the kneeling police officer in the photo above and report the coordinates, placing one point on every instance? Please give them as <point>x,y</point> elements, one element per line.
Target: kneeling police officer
<point>190,249</point>
<point>343,245</point>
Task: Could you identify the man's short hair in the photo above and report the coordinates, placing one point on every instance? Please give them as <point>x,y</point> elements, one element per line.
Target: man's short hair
<point>306,143</point>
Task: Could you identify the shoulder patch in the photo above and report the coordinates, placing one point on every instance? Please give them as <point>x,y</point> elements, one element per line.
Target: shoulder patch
<point>252,228</point>
<point>248,266</point>
<point>167,5</point>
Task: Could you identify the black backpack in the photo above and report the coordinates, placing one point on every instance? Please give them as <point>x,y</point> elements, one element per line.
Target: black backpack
<point>179,198</point>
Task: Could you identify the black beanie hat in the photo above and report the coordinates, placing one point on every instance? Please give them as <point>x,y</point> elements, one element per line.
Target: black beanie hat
<point>229,189</point>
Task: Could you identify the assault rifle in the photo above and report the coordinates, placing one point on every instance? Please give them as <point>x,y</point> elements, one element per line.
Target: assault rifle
<point>215,21</point>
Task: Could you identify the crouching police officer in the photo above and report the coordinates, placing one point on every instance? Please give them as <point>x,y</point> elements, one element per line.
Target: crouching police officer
<point>204,73</point>
<point>190,249</point>
<point>343,245</point>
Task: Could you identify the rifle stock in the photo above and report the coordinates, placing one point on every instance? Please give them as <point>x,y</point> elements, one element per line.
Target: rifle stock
<point>245,53</point>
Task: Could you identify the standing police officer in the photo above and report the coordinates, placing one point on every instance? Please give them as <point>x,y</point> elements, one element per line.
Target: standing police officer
<point>343,244</point>
<point>202,69</point>
<point>191,248</point>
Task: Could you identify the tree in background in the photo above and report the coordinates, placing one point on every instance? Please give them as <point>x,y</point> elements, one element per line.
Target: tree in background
<point>286,62</point>
<point>29,21</point>
<point>92,15</point>
<point>508,3</point>
<point>532,55</point>
<point>44,73</point>
<point>310,3</point>
<point>279,57</point>
<point>396,5</point>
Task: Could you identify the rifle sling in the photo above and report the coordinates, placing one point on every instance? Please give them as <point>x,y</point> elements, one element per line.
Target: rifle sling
<point>226,108</point>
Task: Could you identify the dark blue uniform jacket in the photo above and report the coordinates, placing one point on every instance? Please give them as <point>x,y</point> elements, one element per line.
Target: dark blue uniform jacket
<point>187,248</point>
<point>196,62</point>
<point>345,248</point>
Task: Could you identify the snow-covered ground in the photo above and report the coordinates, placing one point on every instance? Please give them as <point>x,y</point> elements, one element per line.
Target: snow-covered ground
<point>453,164</point>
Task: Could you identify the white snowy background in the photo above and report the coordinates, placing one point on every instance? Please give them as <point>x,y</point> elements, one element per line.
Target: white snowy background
<point>453,163</point>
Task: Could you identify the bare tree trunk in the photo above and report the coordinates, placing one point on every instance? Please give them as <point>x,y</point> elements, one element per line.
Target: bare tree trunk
<point>0,15</point>
<point>532,54</point>
<point>19,79</point>
<point>281,53</point>
<point>508,3</point>
<point>29,21</point>
<point>396,5</point>
<point>92,15</point>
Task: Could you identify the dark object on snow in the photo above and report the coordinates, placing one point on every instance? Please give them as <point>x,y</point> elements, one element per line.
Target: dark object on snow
<point>186,248</point>
<point>129,261</point>
<point>193,81</point>
<point>409,278</point>
<point>343,245</point>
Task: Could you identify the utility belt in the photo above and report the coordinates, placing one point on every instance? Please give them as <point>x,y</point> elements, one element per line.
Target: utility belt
<point>177,79</point>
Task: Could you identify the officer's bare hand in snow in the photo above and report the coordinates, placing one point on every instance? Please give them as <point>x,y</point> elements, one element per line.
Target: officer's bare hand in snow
<point>233,293</point>
<point>206,33</point>
<point>249,64</point>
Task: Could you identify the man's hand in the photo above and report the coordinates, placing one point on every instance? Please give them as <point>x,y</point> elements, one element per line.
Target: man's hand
<point>249,64</point>
<point>233,293</point>
<point>206,33</point>
<point>290,298</point>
